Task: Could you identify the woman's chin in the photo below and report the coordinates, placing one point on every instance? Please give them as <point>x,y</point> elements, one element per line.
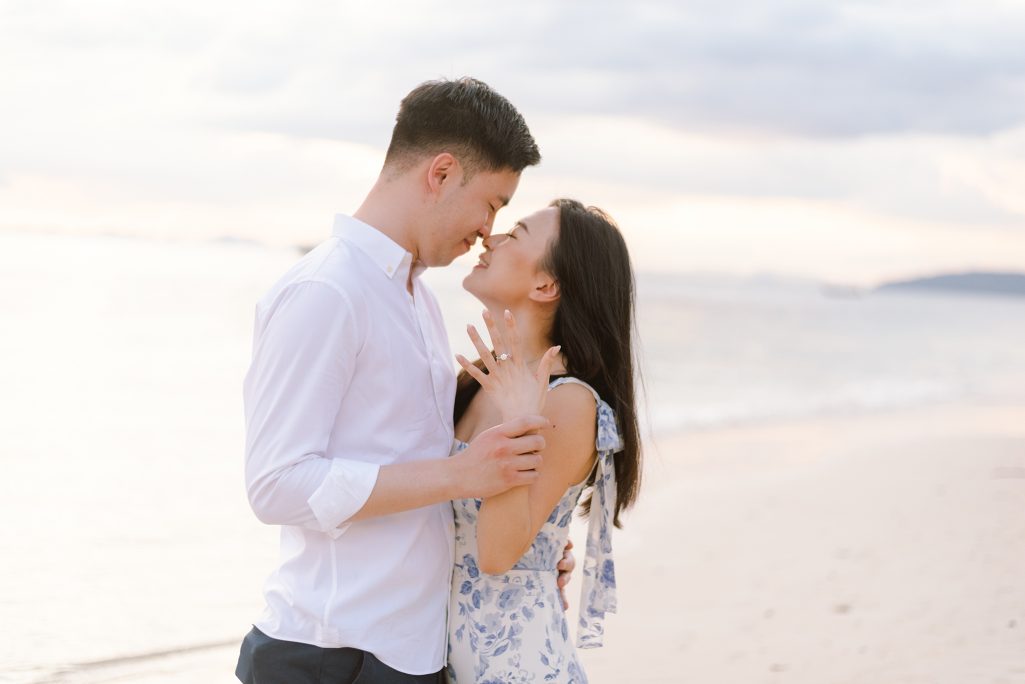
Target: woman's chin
<point>471,285</point>
<point>474,282</point>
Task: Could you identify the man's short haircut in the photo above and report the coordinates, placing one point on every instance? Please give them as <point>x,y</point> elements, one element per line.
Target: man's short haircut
<point>467,119</point>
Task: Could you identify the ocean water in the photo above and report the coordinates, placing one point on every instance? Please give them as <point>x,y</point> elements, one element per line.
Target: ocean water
<point>720,352</point>
<point>127,533</point>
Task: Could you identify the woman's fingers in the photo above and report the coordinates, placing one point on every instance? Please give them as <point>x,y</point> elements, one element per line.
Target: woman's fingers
<point>474,372</point>
<point>512,335</point>
<point>544,369</point>
<point>478,343</point>
<point>496,337</point>
<point>544,372</point>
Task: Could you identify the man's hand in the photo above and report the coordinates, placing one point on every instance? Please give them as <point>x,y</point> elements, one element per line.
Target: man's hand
<point>500,458</point>
<point>565,567</point>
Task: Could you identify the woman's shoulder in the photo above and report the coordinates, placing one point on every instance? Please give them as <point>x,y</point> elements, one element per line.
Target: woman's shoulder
<point>571,401</point>
<point>570,441</point>
<point>576,387</point>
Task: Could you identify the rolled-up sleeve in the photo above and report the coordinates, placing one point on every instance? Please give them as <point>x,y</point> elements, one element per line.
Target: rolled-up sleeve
<point>305,344</point>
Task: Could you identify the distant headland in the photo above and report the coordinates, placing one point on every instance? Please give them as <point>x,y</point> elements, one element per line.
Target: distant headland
<point>1012,284</point>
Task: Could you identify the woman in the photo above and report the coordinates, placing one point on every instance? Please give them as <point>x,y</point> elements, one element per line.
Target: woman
<point>561,277</point>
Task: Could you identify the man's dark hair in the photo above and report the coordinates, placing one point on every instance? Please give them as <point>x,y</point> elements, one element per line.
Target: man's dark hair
<point>466,118</point>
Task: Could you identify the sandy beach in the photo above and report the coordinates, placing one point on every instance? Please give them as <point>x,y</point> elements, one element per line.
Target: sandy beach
<point>869,549</point>
<point>862,549</point>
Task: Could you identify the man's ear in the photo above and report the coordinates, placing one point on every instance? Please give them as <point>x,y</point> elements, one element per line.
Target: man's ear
<point>546,289</point>
<point>441,172</point>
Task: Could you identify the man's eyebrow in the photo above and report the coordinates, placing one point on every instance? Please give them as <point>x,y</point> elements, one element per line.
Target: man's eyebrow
<point>504,200</point>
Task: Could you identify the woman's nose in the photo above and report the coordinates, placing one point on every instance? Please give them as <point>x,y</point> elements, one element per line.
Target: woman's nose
<point>494,240</point>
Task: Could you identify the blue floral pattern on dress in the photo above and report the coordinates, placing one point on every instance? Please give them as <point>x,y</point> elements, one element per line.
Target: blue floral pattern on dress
<point>511,628</point>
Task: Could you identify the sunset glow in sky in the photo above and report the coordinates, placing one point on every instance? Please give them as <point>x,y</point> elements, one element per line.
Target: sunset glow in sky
<point>850,141</point>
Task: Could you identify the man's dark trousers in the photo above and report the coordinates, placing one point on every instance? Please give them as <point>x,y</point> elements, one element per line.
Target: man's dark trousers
<point>264,660</point>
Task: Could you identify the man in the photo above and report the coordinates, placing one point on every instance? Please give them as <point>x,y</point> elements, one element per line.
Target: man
<point>348,405</point>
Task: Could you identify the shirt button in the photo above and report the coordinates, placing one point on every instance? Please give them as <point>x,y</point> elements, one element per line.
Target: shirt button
<point>389,269</point>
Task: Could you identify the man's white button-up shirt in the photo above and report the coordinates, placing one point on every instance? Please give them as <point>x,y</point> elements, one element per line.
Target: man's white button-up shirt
<point>350,372</point>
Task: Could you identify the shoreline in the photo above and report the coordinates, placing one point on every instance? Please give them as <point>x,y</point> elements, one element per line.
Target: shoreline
<point>672,436</point>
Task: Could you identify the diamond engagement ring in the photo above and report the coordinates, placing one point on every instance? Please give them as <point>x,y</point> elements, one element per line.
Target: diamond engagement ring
<point>502,357</point>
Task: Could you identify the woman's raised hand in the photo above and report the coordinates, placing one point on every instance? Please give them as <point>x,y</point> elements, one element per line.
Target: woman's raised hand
<point>512,385</point>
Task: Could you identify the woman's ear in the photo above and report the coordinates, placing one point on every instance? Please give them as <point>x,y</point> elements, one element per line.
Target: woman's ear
<point>546,289</point>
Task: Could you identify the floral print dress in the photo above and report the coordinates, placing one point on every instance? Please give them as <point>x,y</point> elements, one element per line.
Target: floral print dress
<point>511,628</point>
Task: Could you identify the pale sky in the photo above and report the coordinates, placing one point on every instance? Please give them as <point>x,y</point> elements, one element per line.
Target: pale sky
<point>850,141</point>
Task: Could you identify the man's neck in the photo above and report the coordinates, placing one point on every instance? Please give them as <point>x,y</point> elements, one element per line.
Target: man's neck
<point>387,208</point>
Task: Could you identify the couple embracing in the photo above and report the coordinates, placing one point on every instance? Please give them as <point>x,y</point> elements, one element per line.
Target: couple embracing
<point>424,522</point>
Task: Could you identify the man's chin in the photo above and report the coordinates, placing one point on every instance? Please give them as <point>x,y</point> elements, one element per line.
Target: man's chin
<point>442,262</point>
<point>437,261</point>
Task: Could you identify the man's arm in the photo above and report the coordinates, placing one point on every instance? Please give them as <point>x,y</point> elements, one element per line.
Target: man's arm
<point>496,460</point>
<point>303,362</point>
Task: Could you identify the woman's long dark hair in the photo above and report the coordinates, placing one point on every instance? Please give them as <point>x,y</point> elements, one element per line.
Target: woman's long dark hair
<point>594,323</point>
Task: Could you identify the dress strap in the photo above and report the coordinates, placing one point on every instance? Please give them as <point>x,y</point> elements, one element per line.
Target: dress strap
<point>598,593</point>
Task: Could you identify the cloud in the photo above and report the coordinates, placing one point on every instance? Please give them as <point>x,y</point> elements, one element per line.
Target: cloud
<point>964,181</point>
<point>227,117</point>
<point>798,68</point>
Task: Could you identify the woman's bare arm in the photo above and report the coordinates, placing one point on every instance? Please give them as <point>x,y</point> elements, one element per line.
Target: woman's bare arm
<point>508,522</point>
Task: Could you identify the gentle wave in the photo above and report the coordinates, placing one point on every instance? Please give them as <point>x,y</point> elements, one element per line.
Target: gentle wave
<point>669,418</point>
<point>113,668</point>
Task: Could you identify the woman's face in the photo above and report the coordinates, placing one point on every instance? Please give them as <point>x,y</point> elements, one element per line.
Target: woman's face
<point>507,272</point>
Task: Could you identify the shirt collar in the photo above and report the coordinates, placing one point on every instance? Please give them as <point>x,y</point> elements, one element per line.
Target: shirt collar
<point>390,256</point>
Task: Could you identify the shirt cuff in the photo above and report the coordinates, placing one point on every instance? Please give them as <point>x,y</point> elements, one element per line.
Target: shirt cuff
<point>343,492</point>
